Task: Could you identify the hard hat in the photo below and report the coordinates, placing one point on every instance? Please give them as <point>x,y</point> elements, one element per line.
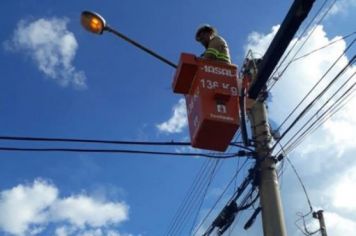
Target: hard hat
<point>203,28</point>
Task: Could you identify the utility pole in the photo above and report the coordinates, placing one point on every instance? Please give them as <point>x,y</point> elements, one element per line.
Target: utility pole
<point>320,216</point>
<point>270,200</point>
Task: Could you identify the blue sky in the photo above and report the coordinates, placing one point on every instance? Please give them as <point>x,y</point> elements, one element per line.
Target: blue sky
<point>61,81</point>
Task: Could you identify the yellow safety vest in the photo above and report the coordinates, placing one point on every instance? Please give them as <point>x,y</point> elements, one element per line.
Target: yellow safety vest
<point>218,49</point>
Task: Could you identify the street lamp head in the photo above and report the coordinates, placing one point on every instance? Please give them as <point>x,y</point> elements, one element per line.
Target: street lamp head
<point>93,22</point>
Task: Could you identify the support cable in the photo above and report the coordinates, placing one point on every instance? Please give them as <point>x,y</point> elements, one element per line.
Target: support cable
<point>305,41</point>
<point>301,183</point>
<point>321,118</point>
<point>317,83</point>
<point>302,216</point>
<point>309,106</point>
<point>188,202</point>
<point>323,47</point>
<point>202,200</point>
<point>202,174</point>
<point>227,215</point>
<point>301,35</point>
<point>114,142</point>
<point>195,197</point>
<point>116,151</point>
<point>220,197</point>
<point>238,135</point>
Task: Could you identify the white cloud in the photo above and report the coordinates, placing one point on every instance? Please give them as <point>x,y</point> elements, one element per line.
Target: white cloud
<point>342,128</point>
<point>342,7</point>
<point>259,42</point>
<point>68,231</point>
<point>178,121</point>
<point>22,206</point>
<point>52,47</point>
<point>339,226</point>
<point>83,210</point>
<point>29,209</point>
<point>342,191</point>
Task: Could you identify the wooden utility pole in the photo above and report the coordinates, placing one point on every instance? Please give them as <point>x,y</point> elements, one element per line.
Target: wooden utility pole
<point>270,200</point>
<point>320,216</point>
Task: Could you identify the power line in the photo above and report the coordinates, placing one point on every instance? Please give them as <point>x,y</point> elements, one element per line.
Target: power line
<point>227,215</point>
<point>305,41</point>
<point>308,107</point>
<point>317,83</point>
<point>116,151</point>
<point>301,183</point>
<point>76,140</point>
<point>203,198</point>
<point>115,142</point>
<point>308,37</point>
<point>192,198</point>
<point>323,47</point>
<point>321,118</point>
<point>186,202</point>
<point>301,35</point>
<point>220,197</point>
<point>302,216</point>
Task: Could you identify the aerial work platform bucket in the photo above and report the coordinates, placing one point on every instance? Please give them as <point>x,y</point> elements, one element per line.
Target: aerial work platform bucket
<point>211,95</point>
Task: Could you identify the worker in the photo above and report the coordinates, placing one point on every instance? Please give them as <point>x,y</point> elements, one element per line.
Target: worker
<point>216,47</point>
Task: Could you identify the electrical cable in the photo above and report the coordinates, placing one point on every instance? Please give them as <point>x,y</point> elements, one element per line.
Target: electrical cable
<point>323,47</point>
<point>227,209</point>
<point>317,83</point>
<point>308,37</point>
<point>75,140</point>
<point>321,119</point>
<point>115,142</point>
<point>301,183</point>
<point>296,41</point>
<point>344,101</point>
<point>220,197</point>
<point>309,106</point>
<point>296,140</point>
<point>227,215</point>
<point>302,216</point>
<point>202,200</point>
<point>115,151</point>
<point>186,202</point>
<point>236,187</point>
<point>197,195</point>
<point>237,137</point>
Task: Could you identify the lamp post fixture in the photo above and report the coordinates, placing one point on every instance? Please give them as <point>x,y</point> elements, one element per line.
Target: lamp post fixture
<point>95,23</point>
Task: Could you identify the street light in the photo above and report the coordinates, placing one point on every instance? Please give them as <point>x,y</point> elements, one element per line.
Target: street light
<point>93,22</point>
<point>96,24</point>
